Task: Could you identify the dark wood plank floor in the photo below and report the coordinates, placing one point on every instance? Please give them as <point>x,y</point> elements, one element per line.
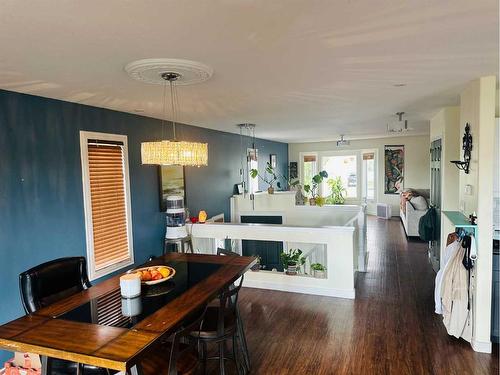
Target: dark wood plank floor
<point>390,328</point>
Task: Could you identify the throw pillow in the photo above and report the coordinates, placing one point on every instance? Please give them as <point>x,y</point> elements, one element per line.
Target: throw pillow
<point>419,203</point>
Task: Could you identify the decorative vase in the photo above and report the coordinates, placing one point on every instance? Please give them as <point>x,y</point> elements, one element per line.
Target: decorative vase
<point>312,201</point>
<point>270,190</point>
<point>291,269</point>
<point>319,274</point>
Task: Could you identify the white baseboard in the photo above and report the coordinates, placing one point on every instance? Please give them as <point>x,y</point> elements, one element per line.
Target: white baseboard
<point>340,293</point>
<point>481,346</point>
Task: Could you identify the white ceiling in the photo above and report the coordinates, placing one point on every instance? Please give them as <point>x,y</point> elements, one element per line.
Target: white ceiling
<point>304,70</point>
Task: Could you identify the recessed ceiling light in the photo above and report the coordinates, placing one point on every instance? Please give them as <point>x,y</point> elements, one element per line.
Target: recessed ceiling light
<point>399,84</point>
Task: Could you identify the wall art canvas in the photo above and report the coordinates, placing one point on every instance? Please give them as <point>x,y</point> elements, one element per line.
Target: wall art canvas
<point>394,157</point>
<point>171,183</point>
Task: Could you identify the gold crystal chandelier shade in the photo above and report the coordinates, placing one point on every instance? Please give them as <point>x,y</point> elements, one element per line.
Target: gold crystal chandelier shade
<point>174,153</point>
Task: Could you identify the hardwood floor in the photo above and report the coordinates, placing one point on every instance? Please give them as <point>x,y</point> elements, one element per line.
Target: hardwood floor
<point>390,328</point>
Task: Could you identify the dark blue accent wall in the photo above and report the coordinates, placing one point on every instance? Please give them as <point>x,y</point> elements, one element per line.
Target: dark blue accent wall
<point>41,195</point>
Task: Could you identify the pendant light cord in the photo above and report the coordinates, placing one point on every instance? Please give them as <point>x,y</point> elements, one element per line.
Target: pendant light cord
<point>173,99</point>
<point>164,119</point>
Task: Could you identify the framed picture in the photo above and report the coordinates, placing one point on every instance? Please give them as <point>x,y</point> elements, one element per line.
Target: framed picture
<point>394,159</point>
<point>171,183</point>
<point>272,160</point>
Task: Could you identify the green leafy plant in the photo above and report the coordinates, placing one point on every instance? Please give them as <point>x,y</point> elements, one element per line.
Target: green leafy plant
<point>270,176</point>
<point>337,191</point>
<point>313,189</point>
<point>273,175</point>
<point>292,258</point>
<point>318,267</point>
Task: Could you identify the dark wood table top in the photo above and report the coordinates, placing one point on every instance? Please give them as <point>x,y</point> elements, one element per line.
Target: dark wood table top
<point>52,331</point>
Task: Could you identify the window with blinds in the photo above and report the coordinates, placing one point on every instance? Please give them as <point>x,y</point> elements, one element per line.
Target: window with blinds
<point>107,202</point>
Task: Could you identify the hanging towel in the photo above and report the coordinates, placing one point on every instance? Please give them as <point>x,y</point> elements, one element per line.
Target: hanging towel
<point>449,252</point>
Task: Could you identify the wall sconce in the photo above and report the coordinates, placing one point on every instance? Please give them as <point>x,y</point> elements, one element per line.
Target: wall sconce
<point>467,147</point>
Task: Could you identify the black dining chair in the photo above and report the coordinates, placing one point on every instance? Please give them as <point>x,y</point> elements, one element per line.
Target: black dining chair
<point>179,355</point>
<point>240,327</point>
<point>50,282</point>
<point>221,324</point>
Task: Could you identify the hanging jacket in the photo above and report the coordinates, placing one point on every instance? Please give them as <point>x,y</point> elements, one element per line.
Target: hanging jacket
<point>455,297</point>
<point>427,226</point>
<point>449,252</point>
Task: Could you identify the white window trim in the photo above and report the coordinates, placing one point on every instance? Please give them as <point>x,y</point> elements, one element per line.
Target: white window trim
<point>359,165</point>
<point>357,153</point>
<point>301,164</point>
<point>375,155</point>
<point>87,204</point>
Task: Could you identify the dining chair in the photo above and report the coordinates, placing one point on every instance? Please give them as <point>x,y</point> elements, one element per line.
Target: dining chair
<point>240,327</point>
<point>221,324</point>
<point>179,355</point>
<point>50,282</point>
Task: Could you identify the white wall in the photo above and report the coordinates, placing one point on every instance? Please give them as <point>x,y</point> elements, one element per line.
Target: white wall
<point>446,125</point>
<point>417,158</point>
<point>477,107</point>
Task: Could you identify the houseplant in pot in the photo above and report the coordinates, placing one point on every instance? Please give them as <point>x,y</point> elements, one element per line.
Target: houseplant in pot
<point>337,191</point>
<point>292,260</point>
<point>313,189</point>
<point>270,177</point>
<point>256,267</point>
<point>318,270</point>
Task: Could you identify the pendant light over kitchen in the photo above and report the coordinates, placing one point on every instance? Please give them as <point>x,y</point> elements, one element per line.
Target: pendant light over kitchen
<point>171,152</point>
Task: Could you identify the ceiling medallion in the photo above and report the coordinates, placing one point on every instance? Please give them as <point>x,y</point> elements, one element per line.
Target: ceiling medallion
<point>151,70</point>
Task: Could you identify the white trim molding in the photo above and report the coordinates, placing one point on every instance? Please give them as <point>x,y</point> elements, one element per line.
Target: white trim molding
<point>87,204</point>
<point>481,346</point>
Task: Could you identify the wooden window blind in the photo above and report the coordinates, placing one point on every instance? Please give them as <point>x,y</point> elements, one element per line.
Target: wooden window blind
<point>309,158</point>
<point>369,156</point>
<point>108,203</point>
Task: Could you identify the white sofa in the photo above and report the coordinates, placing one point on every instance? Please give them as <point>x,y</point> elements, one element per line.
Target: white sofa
<point>410,216</point>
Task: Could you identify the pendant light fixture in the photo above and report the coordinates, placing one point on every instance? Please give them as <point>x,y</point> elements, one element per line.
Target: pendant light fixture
<point>400,126</point>
<point>173,152</point>
<point>168,73</point>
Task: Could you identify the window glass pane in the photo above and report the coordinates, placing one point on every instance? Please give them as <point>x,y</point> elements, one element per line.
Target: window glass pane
<point>345,167</point>
<point>309,170</point>
<point>370,179</point>
<point>253,183</point>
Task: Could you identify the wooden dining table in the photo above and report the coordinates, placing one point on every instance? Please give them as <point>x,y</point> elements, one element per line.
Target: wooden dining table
<point>98,327</point>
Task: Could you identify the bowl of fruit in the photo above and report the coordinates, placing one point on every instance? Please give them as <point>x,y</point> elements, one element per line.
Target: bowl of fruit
<point>154,274</point>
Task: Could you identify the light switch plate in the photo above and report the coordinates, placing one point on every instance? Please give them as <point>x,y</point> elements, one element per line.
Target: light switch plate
<point>468,189</point>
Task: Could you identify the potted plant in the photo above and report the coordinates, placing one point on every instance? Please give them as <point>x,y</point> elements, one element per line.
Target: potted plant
<point>256,267</point>
<point>337,191</point>
<point>318,270</point>
<point>270,180</point>
<point>314,187</point>
<point>292,260</point>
